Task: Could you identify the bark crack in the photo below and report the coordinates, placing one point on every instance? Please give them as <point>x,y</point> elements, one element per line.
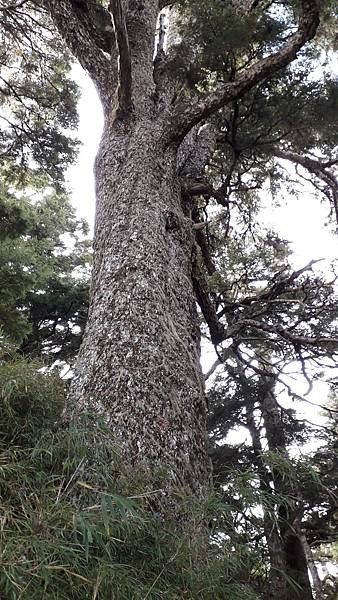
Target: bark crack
<point>124,67</point>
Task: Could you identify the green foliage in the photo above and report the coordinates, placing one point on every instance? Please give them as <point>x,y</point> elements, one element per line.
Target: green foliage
<point>44,263</point>
<point>77,522</point>
<point>221,41</point>
<point>29,399</point>
<point>37,100</point>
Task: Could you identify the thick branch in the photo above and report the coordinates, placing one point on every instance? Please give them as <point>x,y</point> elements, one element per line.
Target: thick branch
<point>75,26</point>
<point>201,288</point>
<point>187,116</point>
<point>316,167</point>
<point>122,43</point>
<point>196,151</point>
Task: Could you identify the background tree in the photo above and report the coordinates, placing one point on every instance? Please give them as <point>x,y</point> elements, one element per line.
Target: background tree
<point>249,393</point>
<point>44,273</point>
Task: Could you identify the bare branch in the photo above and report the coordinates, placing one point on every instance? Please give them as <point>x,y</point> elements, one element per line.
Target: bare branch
<point>212,369</point>
<point>201,288</point>
<point>272,292</point>
<point>223,356</point>
<point>296,340</point>
<point>318,168</point>
<point>188,115</point>
<point>122,43</point>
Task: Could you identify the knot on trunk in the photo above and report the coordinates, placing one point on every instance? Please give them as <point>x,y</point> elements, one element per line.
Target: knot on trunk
<point>172,221</point>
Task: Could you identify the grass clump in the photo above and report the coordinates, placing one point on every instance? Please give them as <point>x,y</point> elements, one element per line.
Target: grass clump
<point>76,523</point>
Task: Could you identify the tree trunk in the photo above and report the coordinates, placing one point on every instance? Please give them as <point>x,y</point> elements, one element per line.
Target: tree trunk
<point>289,514</point>
<point>277,582</point>
<point>139,362</point>
<point>316,582</point>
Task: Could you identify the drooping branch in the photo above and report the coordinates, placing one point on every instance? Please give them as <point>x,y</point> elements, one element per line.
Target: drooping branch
<point>122,43</point>
<point>272,292</point>
<point>73,21</point>
<point>188,115</point>
<point>318,168</point>
<point>219,333</point>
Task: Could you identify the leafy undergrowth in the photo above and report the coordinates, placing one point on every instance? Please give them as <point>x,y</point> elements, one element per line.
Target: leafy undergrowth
<point>76,523</point>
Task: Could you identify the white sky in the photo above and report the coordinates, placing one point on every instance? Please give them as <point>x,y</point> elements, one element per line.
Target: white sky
<point>80,175</point>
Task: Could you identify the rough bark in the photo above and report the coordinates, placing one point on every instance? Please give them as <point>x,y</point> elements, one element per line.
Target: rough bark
<point>73,20</point>
<point>122,42</point>
<point>316,582</point>
<point>139,362</point>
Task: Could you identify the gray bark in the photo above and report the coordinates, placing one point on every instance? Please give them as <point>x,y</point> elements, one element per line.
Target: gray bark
<point>316,582</point>
<point>277,583</point>
<point>139,362</point>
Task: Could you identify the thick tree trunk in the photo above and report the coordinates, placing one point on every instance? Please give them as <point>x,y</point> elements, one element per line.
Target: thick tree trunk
<point>139,362</point>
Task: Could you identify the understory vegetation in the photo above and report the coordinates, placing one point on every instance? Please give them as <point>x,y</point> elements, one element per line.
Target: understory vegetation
<point>76,522</point>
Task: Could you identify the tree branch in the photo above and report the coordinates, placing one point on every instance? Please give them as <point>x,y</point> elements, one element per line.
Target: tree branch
<point>296,340</point>
<point>164,3</point>
<point>122,43</point>
<point>188,115</point>
<point>72,20</point>
<point>196,151</point>
<point>201,288</point>
<point>272,292</point>
<point>316,167</point>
